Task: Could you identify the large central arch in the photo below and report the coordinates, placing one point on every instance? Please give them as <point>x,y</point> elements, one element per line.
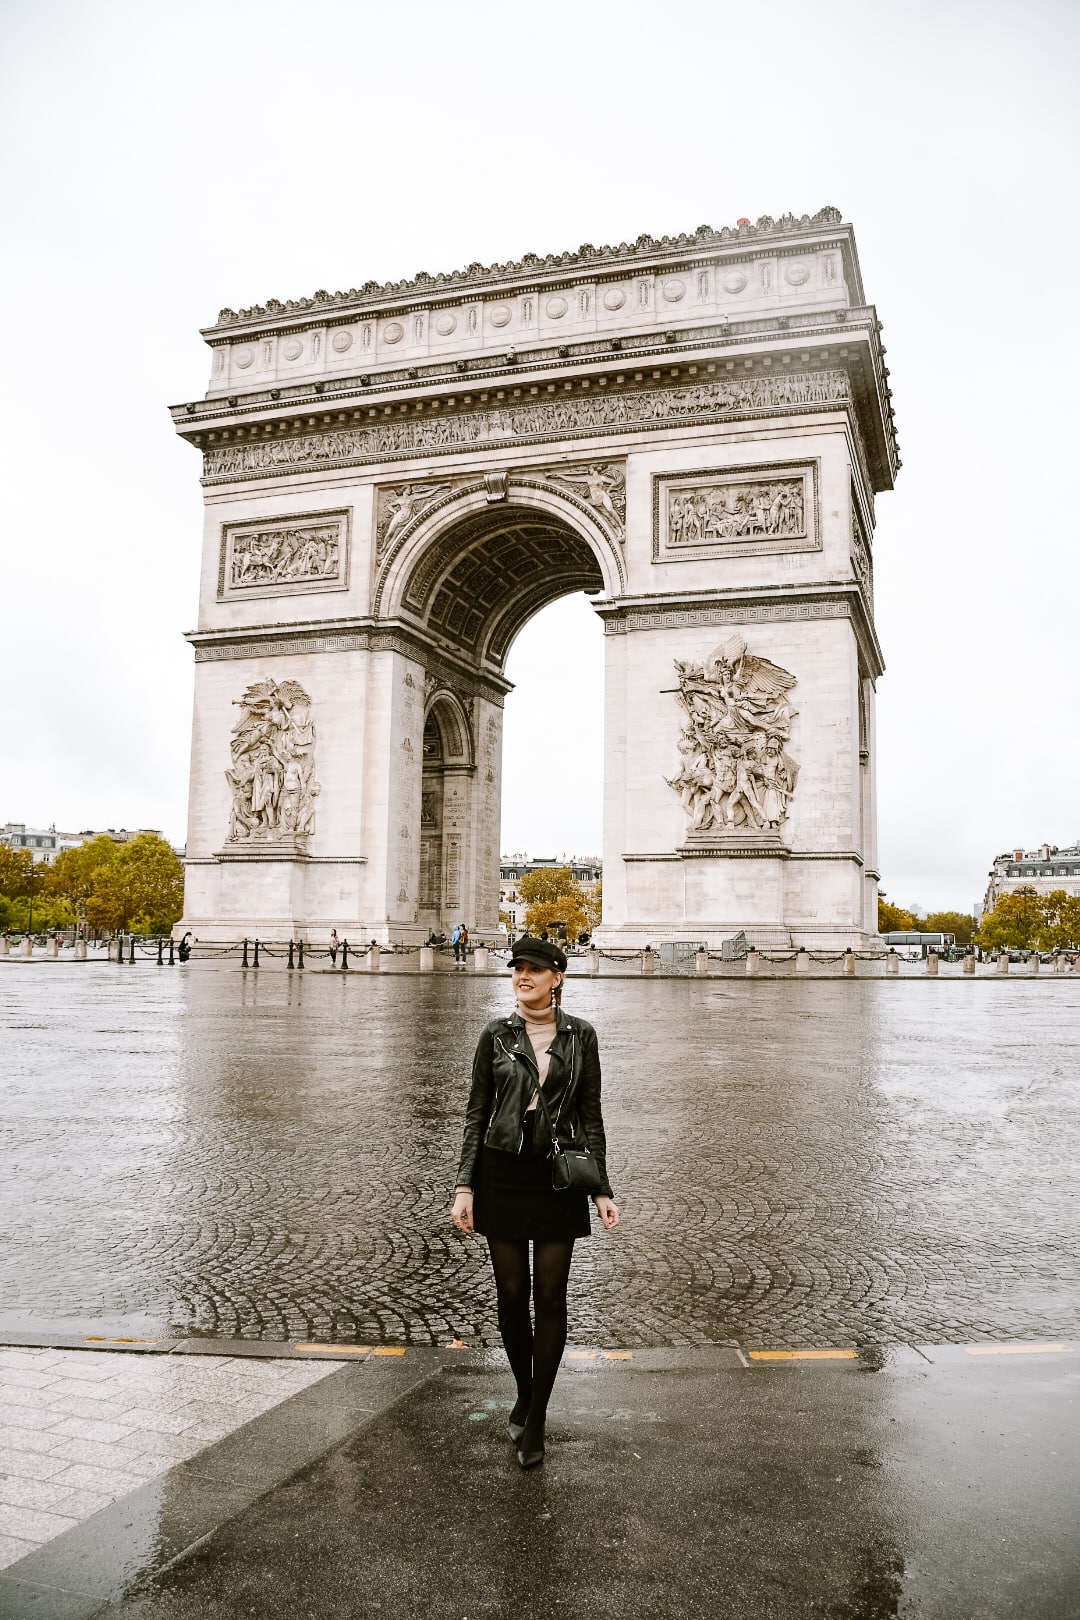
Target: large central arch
<point>692,431</point>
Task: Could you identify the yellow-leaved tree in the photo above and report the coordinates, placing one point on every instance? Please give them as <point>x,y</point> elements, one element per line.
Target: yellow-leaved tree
<point>554,902</point>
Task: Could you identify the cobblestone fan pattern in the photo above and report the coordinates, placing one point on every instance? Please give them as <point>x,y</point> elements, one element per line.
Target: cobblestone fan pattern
<point>798,1164</point>
<point>80,1428</point>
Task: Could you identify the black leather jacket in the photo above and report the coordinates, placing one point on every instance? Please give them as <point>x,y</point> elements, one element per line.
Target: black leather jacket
<point>504,1078</point>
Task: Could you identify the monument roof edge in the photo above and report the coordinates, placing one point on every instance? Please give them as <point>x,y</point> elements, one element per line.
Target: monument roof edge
<point>646,249</point>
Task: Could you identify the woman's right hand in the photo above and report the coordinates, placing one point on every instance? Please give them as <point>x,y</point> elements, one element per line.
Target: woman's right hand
<point>461,1214</point>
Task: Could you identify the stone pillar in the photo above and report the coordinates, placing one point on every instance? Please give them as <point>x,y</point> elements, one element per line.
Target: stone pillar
<point>849,964</point>
<point>932,964</point>
<point>26,946</point>
<point>594,960</point>
<point>373,958</point>
<point>753,961</point>
<point>5,946</point>
<point>1003,962</point>
<point>1060,964</point>
<point>802,960</point>
<point>648,961</point>
<point>701,962</point>
<point>969,964</point>
<point>53,947</point>
<point>892,966</point>
<point>427,959</point>
<point>1035,963</point>
<point>480,959</point>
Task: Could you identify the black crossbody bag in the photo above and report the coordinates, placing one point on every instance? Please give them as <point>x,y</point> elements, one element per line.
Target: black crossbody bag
<point>572,1168</point>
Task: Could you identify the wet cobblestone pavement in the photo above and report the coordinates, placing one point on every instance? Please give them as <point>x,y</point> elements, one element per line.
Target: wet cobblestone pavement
<point>272,1156</point>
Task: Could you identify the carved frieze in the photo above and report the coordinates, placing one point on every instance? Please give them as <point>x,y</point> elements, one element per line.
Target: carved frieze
<point>735,513</point>
<point>862,563</point>
<point>399,505</point>
<point>487,427</point>
<point>601,485</point>
<point>735,775</point>
<point>285,556</point>
<point>272,775</point>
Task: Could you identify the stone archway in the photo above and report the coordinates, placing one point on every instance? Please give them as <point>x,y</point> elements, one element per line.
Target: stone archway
<point>694,431</point>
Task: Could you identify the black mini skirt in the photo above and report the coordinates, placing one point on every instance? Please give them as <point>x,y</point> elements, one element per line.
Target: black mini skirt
<point>513,1197</point>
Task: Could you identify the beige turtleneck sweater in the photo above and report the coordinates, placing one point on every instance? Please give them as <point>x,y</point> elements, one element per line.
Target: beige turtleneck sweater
<point>541,1029</point>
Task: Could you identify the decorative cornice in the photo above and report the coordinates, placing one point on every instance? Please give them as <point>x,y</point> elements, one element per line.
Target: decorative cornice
<point>477,276</point>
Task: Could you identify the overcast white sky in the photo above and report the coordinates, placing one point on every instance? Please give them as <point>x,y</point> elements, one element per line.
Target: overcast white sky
<point>162,160</point>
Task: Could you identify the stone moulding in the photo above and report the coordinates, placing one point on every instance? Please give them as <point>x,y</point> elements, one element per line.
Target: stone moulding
<point>476,276</point>
<point>485,428</point>
<point>736,495</point>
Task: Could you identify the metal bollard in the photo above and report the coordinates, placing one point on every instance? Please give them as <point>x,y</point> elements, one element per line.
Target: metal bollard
<point>648,961</point>
<point>160,952</point>
<point>932,964</point>
<point>299,953</point>
<point>1003,962</point>
<point>892,965</point>
<point>244,963</point>
<point>131,949</point>
<point>969,964</point>
<point>291,964</point>
<point>753,960</point>
<point>802,960</point>
<point>172,951</point>
<point>427,959</point>
<point>255,963</point>
<point>701,962</point>
<point>849,964</point>
<point>80,950</point>
<point>344,956</point>
<point>373,957</point>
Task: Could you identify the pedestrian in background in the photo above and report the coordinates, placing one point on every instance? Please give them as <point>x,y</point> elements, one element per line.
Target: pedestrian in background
<point>533,1120</point>
<point>333,947</point>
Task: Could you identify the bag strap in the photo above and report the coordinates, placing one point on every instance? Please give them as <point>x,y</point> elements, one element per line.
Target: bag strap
<point>542,1100</point>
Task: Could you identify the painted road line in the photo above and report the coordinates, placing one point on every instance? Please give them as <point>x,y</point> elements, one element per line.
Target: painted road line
<point>617,1355</point>
<point>334,1349</point>
<point>1018,1349</point>
<point>389,1350</point>
<point>803,1355</point>
<point>582,1355</point>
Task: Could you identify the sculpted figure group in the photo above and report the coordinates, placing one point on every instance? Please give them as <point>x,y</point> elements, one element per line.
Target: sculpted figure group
<point>735,773</point>
<point>272,775</point>
<point>282,555</point>
<point>734,511</point>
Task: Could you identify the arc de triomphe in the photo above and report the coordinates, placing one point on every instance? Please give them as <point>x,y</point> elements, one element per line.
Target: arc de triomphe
<point>693,431</point>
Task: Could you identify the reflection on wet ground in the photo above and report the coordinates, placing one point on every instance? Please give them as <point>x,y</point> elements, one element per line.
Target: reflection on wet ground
<point>818,1163</point>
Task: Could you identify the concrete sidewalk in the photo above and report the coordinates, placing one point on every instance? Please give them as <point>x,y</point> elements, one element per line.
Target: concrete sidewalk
<point>932,1482</point>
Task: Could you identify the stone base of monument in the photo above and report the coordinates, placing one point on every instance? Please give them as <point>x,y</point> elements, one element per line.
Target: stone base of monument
<point>739,842</point>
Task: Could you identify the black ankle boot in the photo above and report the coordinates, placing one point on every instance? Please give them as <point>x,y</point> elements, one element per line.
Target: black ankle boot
<point>531,1450</point>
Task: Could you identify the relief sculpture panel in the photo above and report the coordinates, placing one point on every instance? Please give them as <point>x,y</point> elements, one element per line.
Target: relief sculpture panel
<point>272,774</point>
<point>286,557</point>
<point>734,514</point>
<point>736,776</point>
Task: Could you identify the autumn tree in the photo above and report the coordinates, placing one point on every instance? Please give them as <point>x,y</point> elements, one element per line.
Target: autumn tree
<point>1061,922</point>
<point>76,874</point>
<point>554,901</point>
<point>25,901</point>
<point>892,920</point>
<point>137,886</point>
<point>1015,923</point>
<point>951,922</point>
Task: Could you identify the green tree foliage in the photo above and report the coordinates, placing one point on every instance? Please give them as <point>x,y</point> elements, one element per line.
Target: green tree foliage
<point>893,920</point>
<point>25,890</point>
<point>552,897</point>
<point>951,922</point>
<point>137,886</point>
<point>16,872</point>
<point>1025,921</point>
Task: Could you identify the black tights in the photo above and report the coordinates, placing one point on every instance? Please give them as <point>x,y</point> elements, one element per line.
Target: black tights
<point>534,1351</point>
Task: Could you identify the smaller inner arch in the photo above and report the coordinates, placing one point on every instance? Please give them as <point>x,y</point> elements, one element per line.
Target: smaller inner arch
<point>481,580</point>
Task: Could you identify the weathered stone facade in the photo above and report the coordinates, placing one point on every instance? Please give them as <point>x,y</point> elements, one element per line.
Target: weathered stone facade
<point>397,478</point>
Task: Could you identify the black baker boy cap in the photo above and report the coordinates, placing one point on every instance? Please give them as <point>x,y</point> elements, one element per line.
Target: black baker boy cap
<point>539,952</point>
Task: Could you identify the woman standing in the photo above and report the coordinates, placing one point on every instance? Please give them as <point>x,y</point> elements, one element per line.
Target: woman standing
<point>505,1188</point>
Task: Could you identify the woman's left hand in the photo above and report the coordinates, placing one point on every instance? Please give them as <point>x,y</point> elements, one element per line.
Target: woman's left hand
<point>608,1211</point>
